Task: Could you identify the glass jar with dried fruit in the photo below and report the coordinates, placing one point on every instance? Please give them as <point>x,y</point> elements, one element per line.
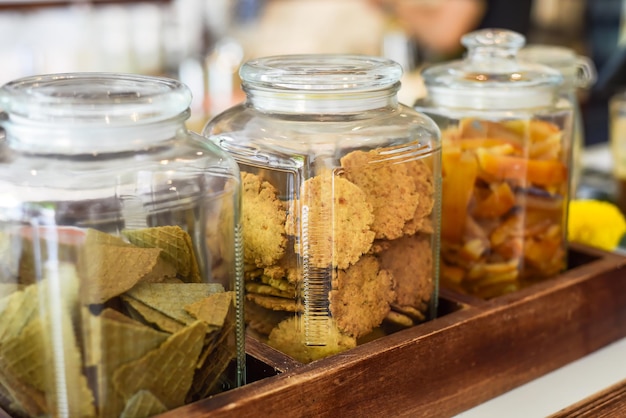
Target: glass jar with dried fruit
<point>120,257</point>
<point>341,200</point>
<point>579,74</point>
<point>506,140</point>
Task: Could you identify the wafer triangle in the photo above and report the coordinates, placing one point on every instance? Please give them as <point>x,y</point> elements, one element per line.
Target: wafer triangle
<point>166,371</point>
<point>171,298</point>
<point>176,245</point>
<point>109,270</point>
<point>143,404</point>
<point>115,342</point>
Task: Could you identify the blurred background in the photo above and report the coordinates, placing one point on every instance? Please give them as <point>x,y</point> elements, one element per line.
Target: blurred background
<point>203,42</point>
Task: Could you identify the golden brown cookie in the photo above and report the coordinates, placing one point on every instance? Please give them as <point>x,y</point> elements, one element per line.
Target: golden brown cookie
<point>263,222</point>
<point>415,313</point>
<point>288,337</point>
<point>265,289</point>
<point>424,184</point>
<point>274,303</point>
<point>335,221</point>
<point>262,320</point>
<point>280,284</point>
<point>379,246</point>
<point>286,268</point>
<point>389,186</point>
<point>400,319</point>
<point>361,297</point>
<point>410,261</point>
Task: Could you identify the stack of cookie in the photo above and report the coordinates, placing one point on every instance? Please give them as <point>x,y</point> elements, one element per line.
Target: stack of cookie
<point>341,256</point>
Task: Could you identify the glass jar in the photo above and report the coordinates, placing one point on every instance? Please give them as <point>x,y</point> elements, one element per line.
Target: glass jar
<point>120,253</point>
<point>506,140</point>
<point>578,73</point>
<point>341,198</point>
<point>617,145</point>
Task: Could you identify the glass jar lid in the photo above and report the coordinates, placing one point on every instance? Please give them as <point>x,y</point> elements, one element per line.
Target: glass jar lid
<point>578,71</point>
<point>491,77</point>
<point>320,83</point>
<point>321,72</point>
<point>87,98</point>
<point>75,113</point>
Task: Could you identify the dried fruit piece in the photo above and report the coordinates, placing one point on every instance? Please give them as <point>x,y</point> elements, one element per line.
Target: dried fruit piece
<point>456,191</point>
<point>539,172</point>
<point>497,201</point>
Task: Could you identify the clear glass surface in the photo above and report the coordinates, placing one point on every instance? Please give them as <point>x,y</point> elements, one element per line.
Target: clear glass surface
<point>506,166</point>
<point>578,73</point>
<point>120,250</point>
<point>340,211</point>
<point>490,76</point>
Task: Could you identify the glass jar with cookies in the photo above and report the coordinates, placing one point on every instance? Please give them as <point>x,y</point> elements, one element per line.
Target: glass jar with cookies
<point>340,205</point>
<point>506,151</point>
<point>120,250</point>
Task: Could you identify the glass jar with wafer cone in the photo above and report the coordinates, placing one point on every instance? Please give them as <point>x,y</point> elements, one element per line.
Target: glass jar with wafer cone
<point>340,205</point>
<point>120,250</point>
<point>506,166</point>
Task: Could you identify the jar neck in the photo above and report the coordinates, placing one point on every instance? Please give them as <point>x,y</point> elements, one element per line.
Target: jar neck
<point>321,102</point>
<point>25,135</point>
<point>92,113</point>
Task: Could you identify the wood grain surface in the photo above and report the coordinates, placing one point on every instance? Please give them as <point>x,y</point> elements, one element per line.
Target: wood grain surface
<point>609,403</point>
<point>475,351</point>
<point>453,363</point>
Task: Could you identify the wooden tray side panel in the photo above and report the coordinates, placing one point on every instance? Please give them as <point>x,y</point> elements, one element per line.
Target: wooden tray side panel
<point>609,403</point>
<point>450,364</point>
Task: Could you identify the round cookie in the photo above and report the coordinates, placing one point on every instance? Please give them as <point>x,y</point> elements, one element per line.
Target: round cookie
<point>263,222</point>
<point>287,268</point>
<point>335,221</point>
<point>400,319</point>
<point>424,184</point>
<point>262,320</point>
<point>274,303</point>
<point>269,290</point>
<point>410,261</point>
<point>289,338</point>
<point>390,189</point>
<point>361,297</point>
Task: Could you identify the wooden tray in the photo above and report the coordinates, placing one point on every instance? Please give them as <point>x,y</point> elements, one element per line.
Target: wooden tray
<point>610,402</point>
<point>475,350</point>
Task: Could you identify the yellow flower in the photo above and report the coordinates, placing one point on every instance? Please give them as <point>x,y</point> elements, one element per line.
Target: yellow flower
<point>595,223</point>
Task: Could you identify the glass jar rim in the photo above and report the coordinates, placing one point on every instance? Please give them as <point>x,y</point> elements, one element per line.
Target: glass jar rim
<point>491,76</point>
<point>577,70</point>
<point>94,97</point>
<point>322,73</point>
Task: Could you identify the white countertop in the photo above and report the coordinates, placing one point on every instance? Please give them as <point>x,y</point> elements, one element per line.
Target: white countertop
<point>558,389</point>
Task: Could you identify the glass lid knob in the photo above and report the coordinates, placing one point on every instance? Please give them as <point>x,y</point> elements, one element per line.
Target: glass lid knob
<point>492,43</point>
